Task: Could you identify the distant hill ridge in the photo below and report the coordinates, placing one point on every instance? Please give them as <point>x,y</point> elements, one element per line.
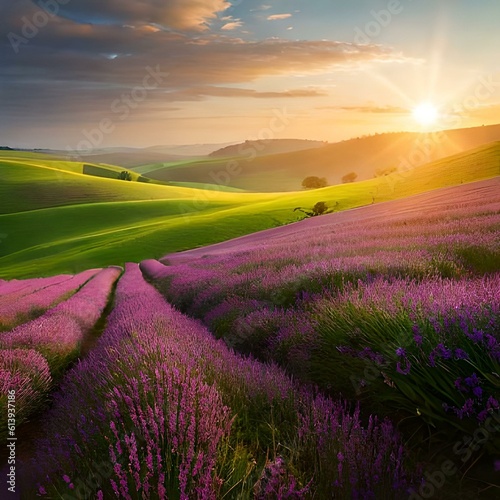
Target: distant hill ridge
<point>370,156</point>
<point>267,147</point>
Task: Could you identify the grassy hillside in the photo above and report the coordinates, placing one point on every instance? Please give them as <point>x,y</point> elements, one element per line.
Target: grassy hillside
<point>33,184</point>
<point>364,156</point>
<point>66,222</point>
<point>267,147</point>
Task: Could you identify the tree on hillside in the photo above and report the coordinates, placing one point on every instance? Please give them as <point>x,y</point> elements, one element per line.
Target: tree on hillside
<point>381,172</point>
<point>313,182</point>
<point>125,176</point>
<point>350,177</point>
<point>319,208</point>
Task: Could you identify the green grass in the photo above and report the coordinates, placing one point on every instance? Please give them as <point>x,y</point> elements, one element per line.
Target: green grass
<point>206,187</point>
<point>286,171</point>
<point>57,220</point>
<point>33,185</point>
<point>153,167</point>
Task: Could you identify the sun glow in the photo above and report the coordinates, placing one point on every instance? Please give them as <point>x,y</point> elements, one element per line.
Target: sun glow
<point>426,114</point>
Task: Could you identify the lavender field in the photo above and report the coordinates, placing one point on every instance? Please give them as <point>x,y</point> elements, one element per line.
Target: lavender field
<point>355,355</point>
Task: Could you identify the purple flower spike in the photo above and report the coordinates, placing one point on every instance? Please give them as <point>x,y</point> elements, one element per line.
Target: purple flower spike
<point>400,352</point>
<point>478,392</point>
<point>492,404</point>
<point>404,370</point>
<point>473,380</point>
<point>461,354</point>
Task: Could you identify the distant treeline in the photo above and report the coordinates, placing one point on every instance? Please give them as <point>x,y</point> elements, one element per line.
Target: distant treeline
<point>109,174</point>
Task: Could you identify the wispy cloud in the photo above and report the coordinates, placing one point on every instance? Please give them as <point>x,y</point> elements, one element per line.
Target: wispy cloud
<point>367,109</point>
<point>196,93</point>
<point>189,15</point>
<point>231,23</point>
<point>278,17</point>
<point>261,8</point>
<point>94,53</point>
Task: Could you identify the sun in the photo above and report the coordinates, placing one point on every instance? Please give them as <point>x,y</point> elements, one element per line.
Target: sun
<point>426,114</point>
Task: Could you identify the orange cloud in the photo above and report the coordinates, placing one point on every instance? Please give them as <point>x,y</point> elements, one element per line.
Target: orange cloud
<point>196,93</point>
<point>278,17</point>
<point>182,15</point>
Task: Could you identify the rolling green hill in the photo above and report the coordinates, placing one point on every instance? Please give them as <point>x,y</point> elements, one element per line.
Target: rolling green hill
<point>364,156</point>
<point>32,183</point>
<point>56,220</point>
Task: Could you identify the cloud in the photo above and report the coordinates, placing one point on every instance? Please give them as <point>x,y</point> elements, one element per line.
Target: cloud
<point>70,73</point>
<point>231,23</point>
<point>368,109</point>
<point>376,109</point>
<point>278,17</point>
<point>261,8</point>
<point>232,26</point>
<point>488,112</point>
<point>197,93</point>
<point>183,15</point>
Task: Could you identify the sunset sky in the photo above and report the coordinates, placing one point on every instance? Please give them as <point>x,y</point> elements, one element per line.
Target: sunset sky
<point>142,73</point>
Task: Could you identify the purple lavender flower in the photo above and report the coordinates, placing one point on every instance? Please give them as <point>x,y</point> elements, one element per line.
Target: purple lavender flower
<point>172,394</point>
<point>467,409</point>
<point>461,354</point>
<point>482,416</point>
<point>459,384</point>
<point>491,341</point>
<point>418,339</point>
<point>492,404</point>
<point>477,335</point>
<point>443,351</point>
<point>404,370</point>
<point>472,381</point>
<point>478,392</point>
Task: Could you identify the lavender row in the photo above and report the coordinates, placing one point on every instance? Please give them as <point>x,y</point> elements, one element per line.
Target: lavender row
<point>15,309</point>
<point>24,382</point>
<point>433,276</point>
<point>436,342</point>
<point>11,290</point>
<point>161,409</point>
<point>60,330</point>
<point>414,331</point>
